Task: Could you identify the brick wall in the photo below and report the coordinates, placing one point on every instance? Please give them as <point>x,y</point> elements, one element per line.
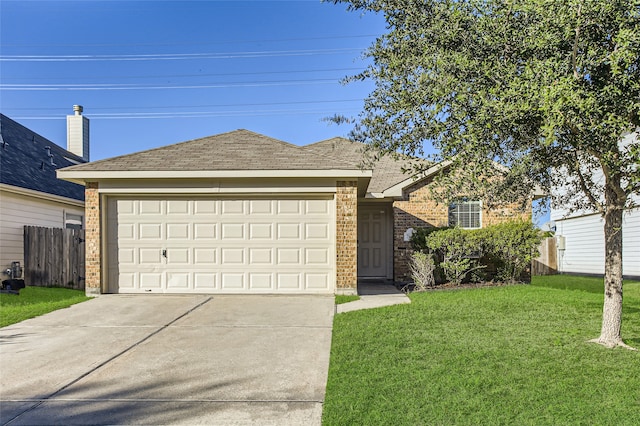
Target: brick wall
<point>93,274</point>
<point>419,210</point>
<point>347,237</point>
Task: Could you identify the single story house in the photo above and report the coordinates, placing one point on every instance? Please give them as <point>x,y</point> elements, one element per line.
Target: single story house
<point>241,212</point>
<point>30,192</point>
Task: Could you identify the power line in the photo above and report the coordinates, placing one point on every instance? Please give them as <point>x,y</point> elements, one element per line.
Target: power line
<point>187,43</point>
<point>194,114</point>
<point>175,56</point>
<point>76,77</point>
<point>90,114</point>
<point>42,87</point>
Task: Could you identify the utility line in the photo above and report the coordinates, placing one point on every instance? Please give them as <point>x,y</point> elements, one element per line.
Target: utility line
<point>188,106</point>
<point>39,87</point>
<point>255,113</point>
<point>76,77</point>
<point>188,43</point>
<point>175,56</point>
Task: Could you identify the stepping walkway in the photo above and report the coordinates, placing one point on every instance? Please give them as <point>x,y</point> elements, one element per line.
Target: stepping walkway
<point>374,294</point>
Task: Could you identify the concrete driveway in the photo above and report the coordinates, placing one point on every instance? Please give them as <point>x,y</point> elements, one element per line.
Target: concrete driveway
<point>169,360</point>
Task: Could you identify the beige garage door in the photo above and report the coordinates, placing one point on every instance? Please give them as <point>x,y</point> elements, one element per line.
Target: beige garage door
<point>199,245</point>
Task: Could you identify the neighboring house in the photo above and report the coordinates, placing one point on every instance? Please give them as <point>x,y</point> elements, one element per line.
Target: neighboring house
<point>580,238</point>
<point>30,192</point>
<point>241,212</point>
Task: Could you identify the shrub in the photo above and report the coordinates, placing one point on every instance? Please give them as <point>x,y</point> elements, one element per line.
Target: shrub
<point>422,270</point>
<point>506,248</point>
<point>458,251</point>
<point>514,243</point>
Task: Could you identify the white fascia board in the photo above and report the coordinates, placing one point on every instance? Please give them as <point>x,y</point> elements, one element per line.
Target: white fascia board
<point>82,176</point>
<point>41,195</point>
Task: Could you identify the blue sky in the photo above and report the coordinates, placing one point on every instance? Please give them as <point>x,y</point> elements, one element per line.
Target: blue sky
<point>152,73</point>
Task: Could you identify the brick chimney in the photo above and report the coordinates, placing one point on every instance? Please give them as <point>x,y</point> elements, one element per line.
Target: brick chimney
<point>78,133</point>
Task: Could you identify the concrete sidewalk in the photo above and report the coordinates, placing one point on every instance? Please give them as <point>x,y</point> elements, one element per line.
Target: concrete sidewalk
<point>374,294</point>
<point>232,360</point>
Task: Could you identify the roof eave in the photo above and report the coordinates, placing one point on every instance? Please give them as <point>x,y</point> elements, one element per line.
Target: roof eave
<point>83,176</point>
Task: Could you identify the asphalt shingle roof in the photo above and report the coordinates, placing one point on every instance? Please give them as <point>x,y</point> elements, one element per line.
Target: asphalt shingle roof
<point>28,160</point>
<point>387,171</point>
<point>237,150</point>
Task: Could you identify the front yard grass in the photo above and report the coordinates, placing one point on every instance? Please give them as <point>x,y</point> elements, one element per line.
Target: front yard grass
<point>502,355</point>
<point>346,298</point>
<point>35,301</point>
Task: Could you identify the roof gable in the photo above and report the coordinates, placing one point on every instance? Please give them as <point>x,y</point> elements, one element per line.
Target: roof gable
<point>239,150</point>
<point>30,161</point>
<point>387,171</point>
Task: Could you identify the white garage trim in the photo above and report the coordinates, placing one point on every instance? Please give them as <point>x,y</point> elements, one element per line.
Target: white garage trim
<point>238,244</point>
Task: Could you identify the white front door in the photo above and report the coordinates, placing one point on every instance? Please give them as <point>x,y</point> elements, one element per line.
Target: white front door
<point>373,241</point>
<point>204,245</point>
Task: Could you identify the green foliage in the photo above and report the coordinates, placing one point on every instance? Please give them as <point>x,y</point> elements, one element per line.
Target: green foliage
<point>545,88</point>
<point>35,301</point>
<point>512,355</point>
<point>514,244</point>
<point>458,250</point>
<point>419,237</point>
<point>463,254</point>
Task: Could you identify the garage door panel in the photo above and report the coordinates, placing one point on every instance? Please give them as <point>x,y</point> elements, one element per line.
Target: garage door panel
<point>150,231</point>
<point>288,231</point>
<point>149,256</point>
<point>232,231</point>
<point>260,281</point>
<point>317,256</point>
<point>230,207</point>
<point>178,207</point>
<point>317,281</point>
<point>205,281</point>
<point>178,231</point>
<point>258,207</point>
<point>126,231</point>
<point>289,256</point>
<point>221,245</point>
<point>178,256</point>
<point>178,280</point>
<point>150,207</point>
<point>260,256</point>
<point>317,231</point>
<point>232,256</point>
<point>316,207</point>
<point>232,281</point>
<point>205,256</point>
<point>205,231</point>
<point>260,231</point>
<point>151,280</point>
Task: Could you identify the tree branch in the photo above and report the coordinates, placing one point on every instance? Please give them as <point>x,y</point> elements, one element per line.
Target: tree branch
<point>585,187</point>
<point>574,54</point>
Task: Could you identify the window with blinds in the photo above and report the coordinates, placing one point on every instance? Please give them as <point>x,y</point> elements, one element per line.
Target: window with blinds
<point>466,214</point>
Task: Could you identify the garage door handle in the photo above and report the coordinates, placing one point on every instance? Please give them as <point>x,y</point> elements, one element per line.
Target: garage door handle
<point>164,252</point>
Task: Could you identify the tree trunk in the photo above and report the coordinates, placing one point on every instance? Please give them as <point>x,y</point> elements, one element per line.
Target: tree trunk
<point>610,335</point>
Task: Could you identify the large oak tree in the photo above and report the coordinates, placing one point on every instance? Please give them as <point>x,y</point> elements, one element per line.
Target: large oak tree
<point>547,88</point>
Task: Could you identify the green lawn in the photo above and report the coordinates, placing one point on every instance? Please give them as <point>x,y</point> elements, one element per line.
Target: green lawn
<point>346,298</point>
<point>34,301</point>
<point>514,355</point>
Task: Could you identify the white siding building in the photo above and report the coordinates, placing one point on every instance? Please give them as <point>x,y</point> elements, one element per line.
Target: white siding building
<point>583,235</point>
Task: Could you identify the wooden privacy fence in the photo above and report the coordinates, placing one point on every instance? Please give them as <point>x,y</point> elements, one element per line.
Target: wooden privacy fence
<point>54,257</point>
<point>547,262</point>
